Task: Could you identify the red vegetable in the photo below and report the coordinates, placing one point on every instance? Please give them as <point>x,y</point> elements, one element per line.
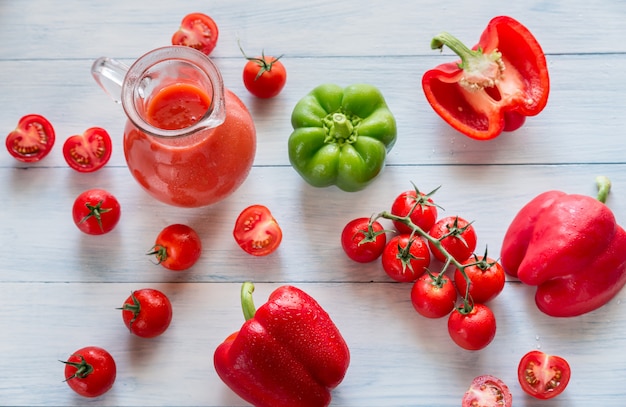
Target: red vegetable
<point>288,353</point>
<point>472,327</point>
<point>197,31</point>
<point>32,139</point>
<point>571,248</point>
<point>147,313</point>
<point>433,295</point>
<point>543,376</point>
<point>487,391</point>
<point>264,76</point>
<point>363,241</point>
<point>494,86</point>
<point>89,151</point>
<point>90,371</point>
<point>177,247</point>
<point>256,231</point>
<point>96,211</point>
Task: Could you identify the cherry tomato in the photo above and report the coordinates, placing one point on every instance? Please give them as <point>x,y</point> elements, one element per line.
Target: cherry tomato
<point>147,313</point>
<point>197,31</point>
<point>456,235</point>
<point>89,151</point>
<point>96,211</point>
<point>405,258</point>
<point>264,76</point>
<point>423,210</point>
<point>433,296</point>
<point>177,247</point>
<point>474,329</point>
<point>543,376</point>
<point>487,279</point>
<point>362,240</point>
<point>32,139</point>
<point>487,391</point>
<point>256,231</point>
<point>90,371</point>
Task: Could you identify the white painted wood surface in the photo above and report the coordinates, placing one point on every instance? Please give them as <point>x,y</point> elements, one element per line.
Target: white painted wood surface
<point>59,288</point>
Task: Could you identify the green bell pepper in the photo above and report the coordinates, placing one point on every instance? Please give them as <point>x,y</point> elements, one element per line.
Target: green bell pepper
<point>341,136</point>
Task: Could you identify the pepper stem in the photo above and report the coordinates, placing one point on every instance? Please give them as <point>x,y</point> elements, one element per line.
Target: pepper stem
<point>247,304</point>
<point>604,186</point>
<point>480,70</point>
<point>340,129</point>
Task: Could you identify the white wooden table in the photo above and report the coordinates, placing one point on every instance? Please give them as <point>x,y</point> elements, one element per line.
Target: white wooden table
<point>59,288</point>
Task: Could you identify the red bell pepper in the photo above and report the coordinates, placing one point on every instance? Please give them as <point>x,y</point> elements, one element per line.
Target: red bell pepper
<point>571,248</point>
<point>288,353</point>
<point>495,85</point>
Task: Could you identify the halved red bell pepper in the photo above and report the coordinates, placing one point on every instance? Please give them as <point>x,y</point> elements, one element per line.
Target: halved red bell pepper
<point>288,353</point>
<point>571,248</point>
<point>495,85</point>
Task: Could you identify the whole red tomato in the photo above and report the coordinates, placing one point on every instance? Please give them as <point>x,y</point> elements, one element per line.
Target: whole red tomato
<point>256,231</point>
<point>487,279</point>
<point>177,247</point>
<point>433,296</point>
<point>472,329</point>
<point>487,390</point>
<point>456,235</point>
<point>264,76</point>
<point>147,312</point>
<point>88,152</point>
<point>423,210</point>
<point>405,258</point>
<point>543,376</point>
<point>32,139</point>
<point>96,211</point>
<point>90,371</point>
<point>363,241</point>
<point>197,31</point>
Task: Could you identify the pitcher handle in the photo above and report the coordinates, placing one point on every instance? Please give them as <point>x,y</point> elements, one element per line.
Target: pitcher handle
<point>109,74</point>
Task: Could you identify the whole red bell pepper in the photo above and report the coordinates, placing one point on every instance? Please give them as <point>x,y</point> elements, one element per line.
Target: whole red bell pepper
<point>495,85</point>
<point>288,353</point>
<point>571,248</point>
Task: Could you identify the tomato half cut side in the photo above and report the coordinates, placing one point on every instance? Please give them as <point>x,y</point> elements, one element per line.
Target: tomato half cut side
<point>487,390</point>
<point>197,31</point>
<point>543,376</point>
<point>88,152</point>
<point>256,231</point>
<point>32,139</point>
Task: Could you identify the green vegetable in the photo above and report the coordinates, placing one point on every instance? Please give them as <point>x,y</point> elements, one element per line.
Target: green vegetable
<point>341,136</point>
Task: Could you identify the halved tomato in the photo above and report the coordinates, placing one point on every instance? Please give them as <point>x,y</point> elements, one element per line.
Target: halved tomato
<point>487,390</point>
<point>89,151</point>
<point>32,139</point>
<point>543,376</point>
<point>197,31</point>
<point>256,231</point>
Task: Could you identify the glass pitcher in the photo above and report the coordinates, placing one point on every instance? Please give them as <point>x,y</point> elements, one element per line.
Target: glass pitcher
<point>188,141</point>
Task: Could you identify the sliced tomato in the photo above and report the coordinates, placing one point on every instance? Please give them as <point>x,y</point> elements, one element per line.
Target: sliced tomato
<point>487,390</point>
<point>197,31</point>
<point>543,376</point>
<point>32,139</point>
<point>256,231</point>
<point>89,151</point>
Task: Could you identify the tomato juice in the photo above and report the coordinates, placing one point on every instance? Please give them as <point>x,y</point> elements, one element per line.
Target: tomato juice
<point>194,169</point>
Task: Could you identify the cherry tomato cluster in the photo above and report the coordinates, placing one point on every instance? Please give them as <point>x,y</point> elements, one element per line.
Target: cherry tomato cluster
<point>421,238</point>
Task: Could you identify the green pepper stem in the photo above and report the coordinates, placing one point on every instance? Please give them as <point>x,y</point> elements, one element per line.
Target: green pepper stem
<point>604,186</point>
<point>247,304</point>
<point>342,127</point>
